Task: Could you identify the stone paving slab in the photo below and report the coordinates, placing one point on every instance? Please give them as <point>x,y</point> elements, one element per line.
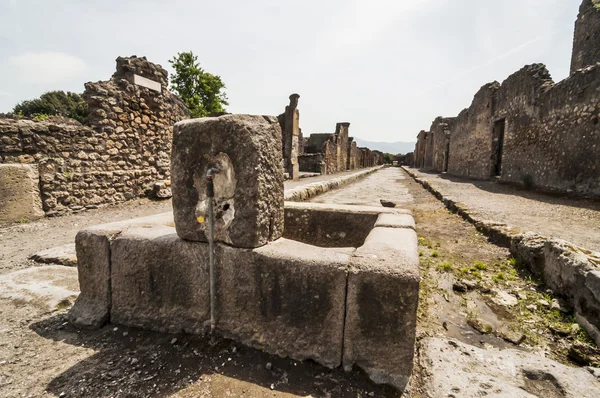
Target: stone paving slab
<point>455,369</point>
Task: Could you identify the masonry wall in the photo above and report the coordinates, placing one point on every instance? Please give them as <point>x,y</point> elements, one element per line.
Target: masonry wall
<point>311,162</point>
<point>552,131</point>
<point>420,146</point>
<point>117,157</point>
<point>470,145</point>
<point>353,155</point>
<point>586,40</point>
<point>440,133</point>
<point>338,152</point>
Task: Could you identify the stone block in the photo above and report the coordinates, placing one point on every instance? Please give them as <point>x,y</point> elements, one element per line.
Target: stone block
<point>587,305</point>
<point>285,298</point>
<point>564,268</point>
<point>249,188</point>
<point>19,193</point>
<point>92,308</point>
<point>159,281</point>
<point>381,306</point>
<point>390,220</point>
<point>327,227</point>
<point>92,246</point>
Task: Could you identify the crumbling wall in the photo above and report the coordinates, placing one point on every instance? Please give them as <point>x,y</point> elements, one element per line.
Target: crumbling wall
<point>420,148</point>
<point>353,155</point>
<point>470,147</point>
<point>117,157</point>
<point>311,162</point>
<point>586,40</point>
<point>440,133</point>
<point>341,131</point>
<point>552,134</point>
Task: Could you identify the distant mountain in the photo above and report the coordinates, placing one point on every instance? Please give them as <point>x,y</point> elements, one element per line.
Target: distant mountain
<point>387,147</point>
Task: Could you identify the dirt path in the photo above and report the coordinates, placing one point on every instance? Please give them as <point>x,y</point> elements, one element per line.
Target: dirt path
<point>19,241</point>
<point>575,220</point>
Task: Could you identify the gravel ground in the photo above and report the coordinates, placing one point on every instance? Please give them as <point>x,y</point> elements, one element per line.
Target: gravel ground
<point>576,220</point>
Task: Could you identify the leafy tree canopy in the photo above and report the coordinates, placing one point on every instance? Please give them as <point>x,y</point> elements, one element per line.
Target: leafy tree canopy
<point>55,103</point>
<point>203,93</point>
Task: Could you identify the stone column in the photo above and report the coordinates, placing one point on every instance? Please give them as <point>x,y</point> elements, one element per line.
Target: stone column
<point>341,130</point>
<point>290,136</point>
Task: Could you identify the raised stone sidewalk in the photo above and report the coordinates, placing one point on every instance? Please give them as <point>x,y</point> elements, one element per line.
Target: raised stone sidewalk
<point>570,271</point>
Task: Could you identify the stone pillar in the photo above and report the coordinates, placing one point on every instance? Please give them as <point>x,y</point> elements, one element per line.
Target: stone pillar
<point>341,130</point>
<point>586,40</point>
<point>248,197</point>
<point>290,127</point>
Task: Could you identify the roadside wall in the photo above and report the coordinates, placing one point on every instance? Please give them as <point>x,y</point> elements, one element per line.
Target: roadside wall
<point>117,157</point>
<point>337,152</point>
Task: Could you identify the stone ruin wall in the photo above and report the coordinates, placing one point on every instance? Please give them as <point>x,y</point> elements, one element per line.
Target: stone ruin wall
<point>551,136</point>
<point>470,142</point>
<point>336,153</point>
<point>551,130</point>
<point>586,40</point>
<point>123,151</point>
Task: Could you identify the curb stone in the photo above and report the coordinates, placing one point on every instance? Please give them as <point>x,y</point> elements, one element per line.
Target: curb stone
<point>308,191</point>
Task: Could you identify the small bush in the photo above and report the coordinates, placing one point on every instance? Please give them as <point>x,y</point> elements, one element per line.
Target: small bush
<point>40,117</point>
<point>435,253</point>
<point>481,266</point>
<point>499,277</point>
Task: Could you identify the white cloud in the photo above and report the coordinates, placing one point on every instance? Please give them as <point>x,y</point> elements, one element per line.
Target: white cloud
<point>46,67</point>
<point>5,94</point>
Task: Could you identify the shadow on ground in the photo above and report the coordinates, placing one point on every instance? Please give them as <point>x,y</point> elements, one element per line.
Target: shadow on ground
<point>135,363</point>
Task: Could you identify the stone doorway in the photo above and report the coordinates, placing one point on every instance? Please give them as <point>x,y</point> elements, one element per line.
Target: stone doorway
<point>497,146</point>
<point>446,156</point>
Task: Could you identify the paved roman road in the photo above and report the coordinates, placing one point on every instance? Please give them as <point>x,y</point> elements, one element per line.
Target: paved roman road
<point>388,183</point>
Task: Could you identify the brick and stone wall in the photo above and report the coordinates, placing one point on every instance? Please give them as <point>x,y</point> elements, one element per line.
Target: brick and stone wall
<point>470,145</point>
<point>586,40</point>
<point>123,151</point>
<point>337,152</point>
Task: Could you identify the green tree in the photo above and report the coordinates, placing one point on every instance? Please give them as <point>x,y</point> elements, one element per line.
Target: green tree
<point>388,158</point>
<point>203,93</point>
<point>55,103</point>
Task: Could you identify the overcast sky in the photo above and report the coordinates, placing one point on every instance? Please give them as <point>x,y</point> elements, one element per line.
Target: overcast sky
<point>387,66</point>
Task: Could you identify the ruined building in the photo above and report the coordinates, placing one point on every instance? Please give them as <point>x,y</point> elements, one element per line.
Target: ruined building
<point>120,155</point>
<point>529,130</point>
<point>333,153</point>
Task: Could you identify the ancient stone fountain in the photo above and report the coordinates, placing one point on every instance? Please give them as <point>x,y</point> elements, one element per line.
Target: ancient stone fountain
<point>335,284</point>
